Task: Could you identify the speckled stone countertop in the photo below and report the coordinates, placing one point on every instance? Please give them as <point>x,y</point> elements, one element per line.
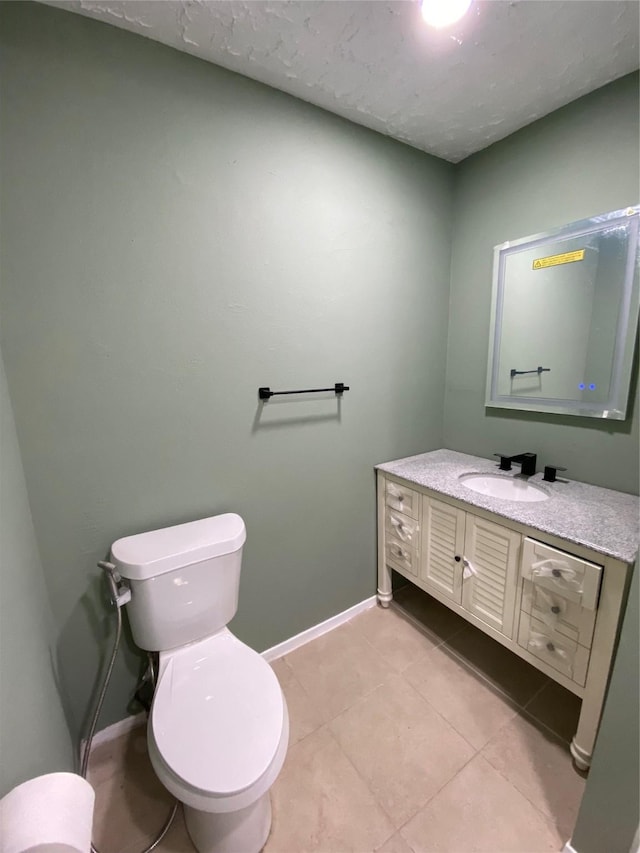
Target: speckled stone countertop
<point>601,519</point>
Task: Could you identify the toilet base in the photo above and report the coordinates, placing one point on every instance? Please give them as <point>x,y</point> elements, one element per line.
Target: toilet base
<point>242,831</point>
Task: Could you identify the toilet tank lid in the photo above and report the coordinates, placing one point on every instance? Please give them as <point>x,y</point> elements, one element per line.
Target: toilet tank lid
<point>147,555</point>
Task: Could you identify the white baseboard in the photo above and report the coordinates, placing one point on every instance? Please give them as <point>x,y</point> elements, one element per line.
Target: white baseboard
<point>116,730</point>
<point>129,723</point>
<point>316,631</point>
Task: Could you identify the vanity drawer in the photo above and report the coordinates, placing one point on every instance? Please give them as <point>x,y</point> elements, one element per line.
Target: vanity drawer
<point>400,556</point>
<point>558,612</point>
<point>556,650</point>
<point>402,499</point>
<point>571,577</point>
<point>401,527</point>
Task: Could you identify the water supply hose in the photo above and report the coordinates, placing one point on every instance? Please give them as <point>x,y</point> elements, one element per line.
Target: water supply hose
<point>119,599</point>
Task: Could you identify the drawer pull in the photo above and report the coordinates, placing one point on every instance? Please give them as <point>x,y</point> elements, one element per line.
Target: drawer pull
<point>402,500</point>
<point>395,492</point>
<point>550,606</point>
<point>541,642</point>
<point>405,530</point>
<point>397,524</point>
<point>560,572</point>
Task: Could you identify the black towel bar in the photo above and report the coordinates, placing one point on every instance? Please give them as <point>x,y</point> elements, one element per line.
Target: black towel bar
<point>513,372</point>
<point>266,393</point>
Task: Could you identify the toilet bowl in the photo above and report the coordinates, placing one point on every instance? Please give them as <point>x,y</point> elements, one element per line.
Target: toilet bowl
<point>218,735</point>
<point>218,729</point>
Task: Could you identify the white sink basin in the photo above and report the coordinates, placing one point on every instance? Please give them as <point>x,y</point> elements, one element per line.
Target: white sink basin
<point>507,488</point>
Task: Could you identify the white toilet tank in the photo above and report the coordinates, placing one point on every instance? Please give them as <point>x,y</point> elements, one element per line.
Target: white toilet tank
<point>184,580</point>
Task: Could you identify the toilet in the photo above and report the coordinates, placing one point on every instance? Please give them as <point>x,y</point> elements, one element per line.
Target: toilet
<point>218,728</point>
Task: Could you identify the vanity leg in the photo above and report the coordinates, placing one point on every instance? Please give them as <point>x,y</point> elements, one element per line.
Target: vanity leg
<point>385,594</point>
<point>581,759</point>
<point>612,595</point>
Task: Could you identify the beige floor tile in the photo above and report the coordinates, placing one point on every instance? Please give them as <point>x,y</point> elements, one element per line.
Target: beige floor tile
<point>303,715</point>
<point>539,764</point>
<point>337,669</point>
<point>390,749</point>
<point>467,702</point>
<point>110,758</point>
<point>394,637</point>
<point>177,839</point>
<point>132,805</point>
<point>440,621</point>
<point>558,709</point>
<point>395,844</point>
<point>402,748</point>
<point>480,812</point>
<point>508,672</point>
<point>320,803</point>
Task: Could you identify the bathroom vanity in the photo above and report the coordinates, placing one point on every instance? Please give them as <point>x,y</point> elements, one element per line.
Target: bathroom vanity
<point>547,577</point>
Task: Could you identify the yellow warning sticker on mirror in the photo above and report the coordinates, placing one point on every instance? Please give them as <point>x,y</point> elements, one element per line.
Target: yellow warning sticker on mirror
<point>555,260</point>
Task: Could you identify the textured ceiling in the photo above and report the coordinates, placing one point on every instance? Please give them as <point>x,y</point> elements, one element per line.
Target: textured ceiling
<point>374,62</point>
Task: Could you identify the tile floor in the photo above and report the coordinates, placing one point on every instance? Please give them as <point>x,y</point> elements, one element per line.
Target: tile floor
<point>410,731</point>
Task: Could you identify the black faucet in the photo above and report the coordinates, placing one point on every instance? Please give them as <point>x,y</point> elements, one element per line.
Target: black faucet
<point>527,462</point>
<point>550,472</point>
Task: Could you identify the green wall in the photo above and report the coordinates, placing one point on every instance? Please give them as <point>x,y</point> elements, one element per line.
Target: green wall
<point>579,161</point>
<point>174,237</point>
<point>34,737</point>
<point>610,809</point>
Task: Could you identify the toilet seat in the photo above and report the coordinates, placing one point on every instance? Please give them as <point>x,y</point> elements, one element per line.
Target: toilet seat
<point>218,729</point>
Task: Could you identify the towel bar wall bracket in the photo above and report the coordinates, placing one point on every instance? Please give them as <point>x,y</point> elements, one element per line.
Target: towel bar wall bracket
<point>266,393</point>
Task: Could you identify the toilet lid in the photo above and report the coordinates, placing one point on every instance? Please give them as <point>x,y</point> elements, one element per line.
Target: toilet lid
<point>218,714</point>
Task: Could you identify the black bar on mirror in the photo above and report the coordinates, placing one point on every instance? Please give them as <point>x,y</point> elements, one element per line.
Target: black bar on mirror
<point>513,372</point>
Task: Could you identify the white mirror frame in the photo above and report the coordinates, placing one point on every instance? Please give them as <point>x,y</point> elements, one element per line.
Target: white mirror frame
<point>615,407</point>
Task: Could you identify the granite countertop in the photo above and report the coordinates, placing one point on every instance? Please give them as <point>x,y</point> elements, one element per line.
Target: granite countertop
<point>600,519</point>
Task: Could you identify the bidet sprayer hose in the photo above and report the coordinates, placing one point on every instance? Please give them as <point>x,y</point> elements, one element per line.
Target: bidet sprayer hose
<point>112,579</point>
<point>118,600</point>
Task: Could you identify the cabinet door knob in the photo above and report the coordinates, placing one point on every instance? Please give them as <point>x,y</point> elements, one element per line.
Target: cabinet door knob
<point>556,573</point>
<point>457,558</point>
<point>551,647</point>
<point>555,609</point>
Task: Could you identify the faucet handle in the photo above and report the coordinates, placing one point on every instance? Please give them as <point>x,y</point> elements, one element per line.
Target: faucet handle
<point>505,461</point>
<point>550,472</point>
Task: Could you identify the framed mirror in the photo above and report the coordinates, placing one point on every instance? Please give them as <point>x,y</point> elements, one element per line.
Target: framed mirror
<point>564,318</point>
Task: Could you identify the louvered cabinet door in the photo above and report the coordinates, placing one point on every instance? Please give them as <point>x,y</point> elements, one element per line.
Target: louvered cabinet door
<point>442,542</point>
<point>490,573</point>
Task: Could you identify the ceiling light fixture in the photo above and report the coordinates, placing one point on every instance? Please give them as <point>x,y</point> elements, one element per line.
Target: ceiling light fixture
<point>443,13</point>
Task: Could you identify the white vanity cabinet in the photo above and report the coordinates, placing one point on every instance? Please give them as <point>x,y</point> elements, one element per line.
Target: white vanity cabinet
<point>442,548</point>
<point>401,535</point>
<point>490,573</point>
<point>560,594</point>
<point>554,603</point>
<point>470,561</point>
